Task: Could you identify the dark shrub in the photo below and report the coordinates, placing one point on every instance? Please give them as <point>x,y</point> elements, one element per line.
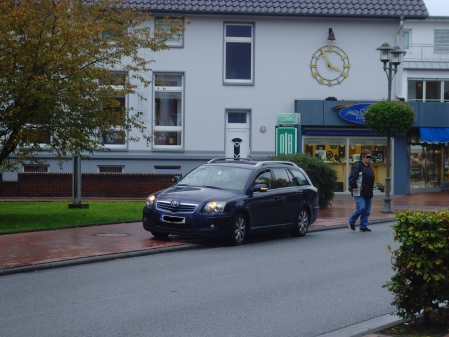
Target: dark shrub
<point>323,176</point>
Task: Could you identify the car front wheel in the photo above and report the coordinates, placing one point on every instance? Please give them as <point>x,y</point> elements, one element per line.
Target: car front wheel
<point>302,224</point>
<point>239,228</point>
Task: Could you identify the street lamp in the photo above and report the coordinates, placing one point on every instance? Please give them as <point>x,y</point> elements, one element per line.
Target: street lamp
<point>391,57</point>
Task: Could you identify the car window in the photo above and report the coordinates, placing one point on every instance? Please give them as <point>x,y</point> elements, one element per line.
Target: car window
<point>298,178</point>
<point>217,176</point>
<point>264,177</point>
<point>282,178</point>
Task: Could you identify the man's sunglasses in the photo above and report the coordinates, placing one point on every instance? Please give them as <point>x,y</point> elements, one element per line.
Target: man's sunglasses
<point>368,157</point>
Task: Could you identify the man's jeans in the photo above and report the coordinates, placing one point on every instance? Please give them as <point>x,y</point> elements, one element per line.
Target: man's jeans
<point>363,209</point>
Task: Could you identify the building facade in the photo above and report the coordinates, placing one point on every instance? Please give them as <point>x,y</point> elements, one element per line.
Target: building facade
<point>220,89</point>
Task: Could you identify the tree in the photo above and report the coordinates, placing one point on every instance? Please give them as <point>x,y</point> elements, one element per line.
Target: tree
<point>389,118</point>
<point>62,62</point>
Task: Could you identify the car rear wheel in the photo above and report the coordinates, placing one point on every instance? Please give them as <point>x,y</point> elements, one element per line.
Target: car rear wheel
<point>159,235</point>
<point>302,224</point>
<point>239,230</point>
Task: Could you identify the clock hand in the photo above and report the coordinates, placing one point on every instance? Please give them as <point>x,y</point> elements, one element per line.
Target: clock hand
<point>328,63</point>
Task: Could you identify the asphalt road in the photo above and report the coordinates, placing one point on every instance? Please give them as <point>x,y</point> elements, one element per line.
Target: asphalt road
<point>268,287</point>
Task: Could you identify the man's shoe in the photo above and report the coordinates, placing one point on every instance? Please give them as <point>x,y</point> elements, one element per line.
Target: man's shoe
<point>351,225</point>
<point>365,230</point>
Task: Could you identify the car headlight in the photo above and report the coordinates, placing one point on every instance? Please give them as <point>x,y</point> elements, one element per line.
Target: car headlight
<point>214,207</point>
<point>150,200</point>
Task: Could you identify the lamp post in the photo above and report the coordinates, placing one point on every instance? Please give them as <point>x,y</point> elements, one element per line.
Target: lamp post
<point>391,57</point>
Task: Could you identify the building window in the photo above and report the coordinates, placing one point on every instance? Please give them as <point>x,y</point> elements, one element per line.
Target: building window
<point>116,137</point>
<point>238,53</point>
<point>167,169</point>
<point>111,169</point>
<point>163,27</point>
<point>441,41</point>
<point>406,39</point>
<point>35,168</point>
<point>168,111</point>
<point>428,90</point>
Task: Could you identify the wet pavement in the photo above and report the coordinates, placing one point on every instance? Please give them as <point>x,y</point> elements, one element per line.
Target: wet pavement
<point>49,249</point>
<point>33,251</point>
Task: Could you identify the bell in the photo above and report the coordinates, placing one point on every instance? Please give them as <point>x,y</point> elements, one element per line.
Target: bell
<point>331,35</point>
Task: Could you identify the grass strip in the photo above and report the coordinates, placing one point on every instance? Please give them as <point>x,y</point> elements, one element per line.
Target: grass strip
<point>22,216</point>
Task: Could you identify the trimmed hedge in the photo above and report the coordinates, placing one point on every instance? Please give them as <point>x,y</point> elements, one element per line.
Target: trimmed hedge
<point>421,282</point>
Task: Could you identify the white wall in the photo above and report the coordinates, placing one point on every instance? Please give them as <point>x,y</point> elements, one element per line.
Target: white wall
<point>283,52</point>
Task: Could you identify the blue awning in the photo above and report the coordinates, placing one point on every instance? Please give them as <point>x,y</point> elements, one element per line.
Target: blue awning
<point>337,132</point>
<point>434,135</point>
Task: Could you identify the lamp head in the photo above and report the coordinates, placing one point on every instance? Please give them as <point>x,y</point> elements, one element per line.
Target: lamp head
<point>385,50</point>
<point>396,55</point>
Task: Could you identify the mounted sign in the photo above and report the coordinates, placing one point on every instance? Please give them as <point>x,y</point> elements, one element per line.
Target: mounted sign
<point>287,119</point>
<point>354,113</point>
<point>286,140</point>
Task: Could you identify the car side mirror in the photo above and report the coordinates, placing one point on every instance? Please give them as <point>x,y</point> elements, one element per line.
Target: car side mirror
<point>260,188</point>
<point>175,179</point>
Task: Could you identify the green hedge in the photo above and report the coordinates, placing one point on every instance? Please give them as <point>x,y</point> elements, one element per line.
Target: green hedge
<point>421,282</point>
<point>323,176</point>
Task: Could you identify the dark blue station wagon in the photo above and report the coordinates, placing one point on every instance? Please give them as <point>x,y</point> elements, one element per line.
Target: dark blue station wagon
<point>231,198</point>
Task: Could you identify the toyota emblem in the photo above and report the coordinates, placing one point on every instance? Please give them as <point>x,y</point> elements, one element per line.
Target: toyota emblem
<point>174,203</point>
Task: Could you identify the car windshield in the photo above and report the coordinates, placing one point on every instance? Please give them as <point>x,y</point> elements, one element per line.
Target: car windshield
<point>223,177</point>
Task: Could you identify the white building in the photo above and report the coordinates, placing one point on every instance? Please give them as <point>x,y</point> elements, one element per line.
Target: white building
<point>240,64</point>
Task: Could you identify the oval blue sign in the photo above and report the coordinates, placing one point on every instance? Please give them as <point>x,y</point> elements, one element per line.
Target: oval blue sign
<point>354,113</point>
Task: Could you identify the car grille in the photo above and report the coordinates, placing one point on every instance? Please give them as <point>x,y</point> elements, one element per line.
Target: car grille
<point>182,208</point>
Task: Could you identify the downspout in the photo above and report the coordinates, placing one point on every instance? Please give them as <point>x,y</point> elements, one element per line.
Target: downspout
<point>400,97</point>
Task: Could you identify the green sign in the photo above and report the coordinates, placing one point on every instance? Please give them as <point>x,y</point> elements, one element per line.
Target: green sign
<point>286,140</point>
<point>287,119</point>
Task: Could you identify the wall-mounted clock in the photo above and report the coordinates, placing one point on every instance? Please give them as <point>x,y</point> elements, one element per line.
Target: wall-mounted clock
<point>330,65</point>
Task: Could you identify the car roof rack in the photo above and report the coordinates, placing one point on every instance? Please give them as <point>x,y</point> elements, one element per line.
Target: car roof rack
<point>228,159</point>
<point>263,163</point>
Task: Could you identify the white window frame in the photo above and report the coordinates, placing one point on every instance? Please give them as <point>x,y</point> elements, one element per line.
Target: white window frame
<point>425,80</point>
<point>176,42</point>
<point>407,39</point>
<point>250,40</point>
<point>99,134</point>
<point>41,168</point>
<point>441,40</point>
<point>180,114</point>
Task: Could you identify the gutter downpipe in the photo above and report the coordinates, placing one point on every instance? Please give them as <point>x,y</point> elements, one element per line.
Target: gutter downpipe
<point>399,43</point>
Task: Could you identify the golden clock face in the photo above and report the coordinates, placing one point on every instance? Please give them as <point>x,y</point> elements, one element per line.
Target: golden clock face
<point>330,65</point>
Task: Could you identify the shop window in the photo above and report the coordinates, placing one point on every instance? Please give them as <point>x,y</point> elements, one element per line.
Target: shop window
<point>341,153</point>
<point>168,111</point>
<point>426,170</point>
<point>238,53</point>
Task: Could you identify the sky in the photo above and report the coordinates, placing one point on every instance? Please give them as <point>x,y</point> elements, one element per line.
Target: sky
<point>437,7</point>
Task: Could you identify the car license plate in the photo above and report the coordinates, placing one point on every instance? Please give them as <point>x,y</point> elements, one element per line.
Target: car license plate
<point>173,219</point>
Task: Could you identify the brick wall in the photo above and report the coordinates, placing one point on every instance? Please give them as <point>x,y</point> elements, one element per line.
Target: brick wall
<point>94,185</point>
